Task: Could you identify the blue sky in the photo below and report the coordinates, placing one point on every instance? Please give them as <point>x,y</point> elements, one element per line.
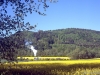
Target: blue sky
<point>68,14</point>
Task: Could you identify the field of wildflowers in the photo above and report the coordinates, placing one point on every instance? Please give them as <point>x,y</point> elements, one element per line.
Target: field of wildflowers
<point>65,67</point>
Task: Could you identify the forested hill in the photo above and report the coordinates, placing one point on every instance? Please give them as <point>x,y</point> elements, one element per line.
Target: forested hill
<point>79,43</point>
<point>80,37</point>
<point>74,42</point>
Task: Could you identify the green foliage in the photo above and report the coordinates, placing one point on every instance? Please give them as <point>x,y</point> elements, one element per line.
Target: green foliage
<point>14,23</point>
<point>77,43</point>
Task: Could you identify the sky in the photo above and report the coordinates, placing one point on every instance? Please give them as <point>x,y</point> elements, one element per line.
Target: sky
<point>64,14</point>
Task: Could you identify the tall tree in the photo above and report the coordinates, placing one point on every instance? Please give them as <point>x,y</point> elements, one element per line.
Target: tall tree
<point>15,22</point>
<point>20,9</point>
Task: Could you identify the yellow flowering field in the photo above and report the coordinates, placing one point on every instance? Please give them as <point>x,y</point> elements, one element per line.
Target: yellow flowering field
<point>62,62</point>
<point>50,67</point>
<point>43,58</point>
<point>66,61</point>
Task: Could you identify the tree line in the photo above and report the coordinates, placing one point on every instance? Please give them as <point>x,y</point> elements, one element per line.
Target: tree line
<point>73,42</point>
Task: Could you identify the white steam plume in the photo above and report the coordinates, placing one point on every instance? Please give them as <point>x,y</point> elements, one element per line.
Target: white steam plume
<point>33,49</point>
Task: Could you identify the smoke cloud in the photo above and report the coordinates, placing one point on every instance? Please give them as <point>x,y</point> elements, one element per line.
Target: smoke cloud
<point>30,46</point>
<point>33,49</point>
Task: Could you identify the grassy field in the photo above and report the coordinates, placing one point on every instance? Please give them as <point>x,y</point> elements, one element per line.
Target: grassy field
<point>65,67</point>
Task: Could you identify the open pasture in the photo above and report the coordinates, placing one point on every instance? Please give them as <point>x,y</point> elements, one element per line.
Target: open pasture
<point>65,67</point>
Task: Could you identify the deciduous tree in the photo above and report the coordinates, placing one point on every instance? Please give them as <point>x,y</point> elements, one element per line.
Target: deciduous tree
<point>15,22</point>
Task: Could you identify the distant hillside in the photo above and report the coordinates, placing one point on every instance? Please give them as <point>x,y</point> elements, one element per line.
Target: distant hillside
<point>80,37</point>
<point>74,42</point>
